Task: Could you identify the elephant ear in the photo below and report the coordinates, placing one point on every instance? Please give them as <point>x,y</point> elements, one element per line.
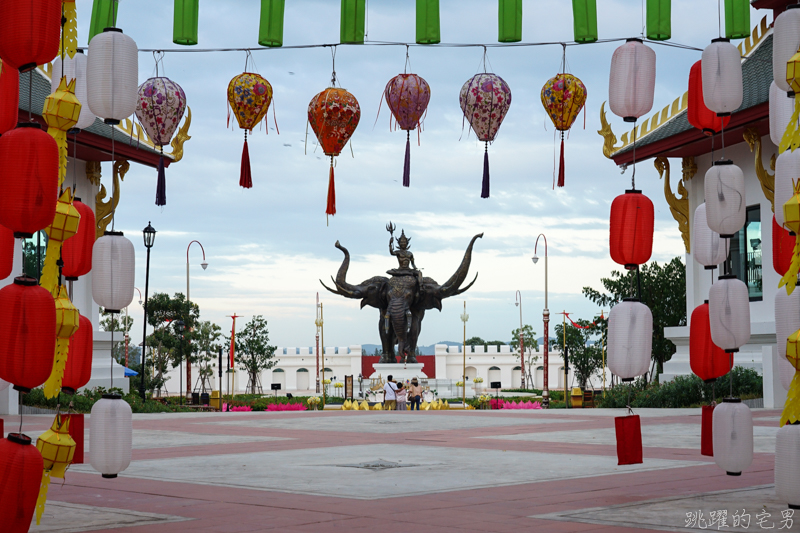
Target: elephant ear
<point>371,292</point>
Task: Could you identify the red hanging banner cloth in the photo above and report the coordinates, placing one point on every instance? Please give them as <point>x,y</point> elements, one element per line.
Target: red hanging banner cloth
<point>629,439</point>
<point>76,431</point>
<point>707,431</point>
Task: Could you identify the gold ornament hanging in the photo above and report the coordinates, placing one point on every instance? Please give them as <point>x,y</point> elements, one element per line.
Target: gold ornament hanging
<point>791,215</point>
<point>64,226</point>
<point>67,321</point>
<point>57,448</point>
<point>61,112</point>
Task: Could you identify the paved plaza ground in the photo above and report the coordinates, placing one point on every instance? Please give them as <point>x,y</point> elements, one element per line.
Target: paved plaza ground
<point>415,472</point>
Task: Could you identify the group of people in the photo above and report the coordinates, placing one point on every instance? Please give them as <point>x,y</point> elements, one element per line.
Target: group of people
<point>397,396</point>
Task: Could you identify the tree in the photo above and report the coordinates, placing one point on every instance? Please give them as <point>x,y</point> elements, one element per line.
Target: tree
<point>120,324</point>
<point>208,335</point>
<point>475,341</point>
<point>531,346</point>
<point>253,352</point>
<point>162,313</point>
<point>663,290</point>
<point>584,356</point>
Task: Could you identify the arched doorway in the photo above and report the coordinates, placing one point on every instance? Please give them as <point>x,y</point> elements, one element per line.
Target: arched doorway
<point>302,379</point>
<point>472,373</point>
<point>538,379</point>
<point>279,376</point>
<point>516,378</point>
<point>494,375</point>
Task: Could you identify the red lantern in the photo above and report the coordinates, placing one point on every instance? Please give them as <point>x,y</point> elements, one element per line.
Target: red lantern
<point>27,333</point>
<point>707,360</point>
<point>6,252</point>
<point>632,223</point>
<point>697,113</point>
<point>77,250</point>
<point>79,361</point>
<point>28,179</point>
<point>21,468</point>
<point>9,98</point>
<point>782,248</point>
<point>30,32</point>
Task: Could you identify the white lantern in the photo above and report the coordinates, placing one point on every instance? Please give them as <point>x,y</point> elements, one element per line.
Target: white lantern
<point>112,75</point>
<point>74,69</point>
<point>781,108</point>
<point>787,465</point>
<point>709,248</point>
<point>111,436</point>
<point>787,318</point>
<point>729,313</point>
<point>733,436</point>
<point>787,168</point>
<point>785,42</point>
<point>630,339</point>
<point>726,207</point>
<point>632,82</point>
<point>113,270</point>
<point>787,371</point>
<point>722,77</point>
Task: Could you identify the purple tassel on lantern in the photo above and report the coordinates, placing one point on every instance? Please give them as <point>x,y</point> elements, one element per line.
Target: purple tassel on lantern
<point>407,165</point>
<point>485,188</point>
<point>161,184</point>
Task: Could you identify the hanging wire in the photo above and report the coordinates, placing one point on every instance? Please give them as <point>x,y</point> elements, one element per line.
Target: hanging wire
<point>408,62</point>
<point>333,66</point>
<point>158,58</point>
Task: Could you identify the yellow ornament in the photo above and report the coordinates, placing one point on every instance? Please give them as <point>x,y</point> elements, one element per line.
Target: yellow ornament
<point>67,321</point>
<point>69,33</point>
<point>791,215</point>
<point>346,405</point>
<point>791,137</point>
<point>365,405</point>
<point>57,448</point>
<point>61,112</point>
<point>64,226</point>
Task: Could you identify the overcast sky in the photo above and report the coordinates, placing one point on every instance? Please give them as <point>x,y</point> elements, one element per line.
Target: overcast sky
<point>267,246</point>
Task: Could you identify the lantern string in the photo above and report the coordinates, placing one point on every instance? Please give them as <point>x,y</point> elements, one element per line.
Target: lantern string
<point>719,17</point>
<point>333,66</point>
<point>633,174</point>
<point>408,62</point>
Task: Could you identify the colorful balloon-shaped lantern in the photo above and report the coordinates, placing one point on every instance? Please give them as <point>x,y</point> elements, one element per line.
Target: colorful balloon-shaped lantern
<point>249,96</point>
<point>407,96</point>
<point>563,97</point>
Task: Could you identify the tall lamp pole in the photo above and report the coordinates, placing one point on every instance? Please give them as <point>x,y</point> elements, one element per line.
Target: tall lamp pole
<point>149,234</point>
<point>318,323</point>
<point>464,318</point>
<point>179,327</point>
<point>546,317</point>
<point>518,303</point>
<point>188,301</point>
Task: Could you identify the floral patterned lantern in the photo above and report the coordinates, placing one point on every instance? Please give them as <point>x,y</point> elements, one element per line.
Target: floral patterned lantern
<point>334,115</point>
<point>407,96</point>
<point>160,109</point>
<point>485,99</point>
<point>249,95</point>
<point>563,97</point>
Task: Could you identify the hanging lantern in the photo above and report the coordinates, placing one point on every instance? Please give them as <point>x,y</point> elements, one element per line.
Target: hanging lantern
<point>791,409</point>
<point>659,20</point>
<point>737,19</point>
<point>9,98</point>
<point>21,471</point>
<point>63,226</point>
<point>113,269</point>
<point>333,114</point>
<point>584,20</point>
<point>729,313</point>
<point>628,431</point>
<point>67,320</point>
<point>630,339</point>
<point>791,220</point>
<point>76,253</point>
<point>79,361</point>
<point>351,23</point>
<point>184,22</point>
<point>781,108</point>
<point>782,248</point>
<point>725,198</point>
<point>485,99</point>
<point>793,74</point>
<point>74,69</point>
<point>785,43</point>
<point>57,448</point>
<point>61,112</point>
<point>787,465</point>
<point>722,77</point>
<point>787,318</point>
<point>428,22</point>
<point>160,109</point>
<point>6,252</point>
<point>632,82</point>
<point>787,170</point>
<point>509,21</point>
<point>249,95</point>
<point>29,179</point>
<point>112,72</point>
<point>111,435</point>
<point>698,115</point>
<point>733,436</point>
<point>563,97</point>
<point>270,29</point>
<point>27,333</point>
<point>707,360</point>
<point>407,96</point>
<point>30,32</point>
<point>104,15</point>
<point>709,249</point>
<point>76,431</point>
<point>632,223</point>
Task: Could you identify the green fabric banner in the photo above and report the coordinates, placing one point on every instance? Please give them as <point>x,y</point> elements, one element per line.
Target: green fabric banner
<point>584,17</point>
<point>270,28</point>
<point>737,19</point>
<point>428,22</point>
<point>351,26</point>
<point>659,16</point>
<point>104,15</point>
<point>184,23</point>
<point>509,19</point>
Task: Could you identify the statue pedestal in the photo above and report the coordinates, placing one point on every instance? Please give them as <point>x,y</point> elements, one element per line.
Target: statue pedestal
<point>398,371</point>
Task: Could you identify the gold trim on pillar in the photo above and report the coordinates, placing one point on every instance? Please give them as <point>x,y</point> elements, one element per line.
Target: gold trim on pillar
<point>104,210</point>
<point>767,180</point>
<point>689,168</point>
<point>94,172</point>
<point>678,206</point>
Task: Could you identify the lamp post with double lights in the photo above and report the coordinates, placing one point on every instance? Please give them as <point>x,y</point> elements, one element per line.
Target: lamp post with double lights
<point>188,301</point>
<point>518,303</point>
<point>546,317</point>
<point>149,234</point>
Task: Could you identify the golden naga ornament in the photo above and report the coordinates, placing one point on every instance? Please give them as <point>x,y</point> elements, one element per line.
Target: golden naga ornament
<point>61,112</point>
<point>791,215</point>
<point>67,321</point>
<point>69,32</point>
<point>57,448</point>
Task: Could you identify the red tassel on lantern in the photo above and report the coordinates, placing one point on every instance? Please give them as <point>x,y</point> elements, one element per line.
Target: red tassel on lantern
<point>28,179</point>
<point>629,439</point>
<point>245,176</point>
<point>707,360</point>
<point>707,431</point>
<point>782,248</point>
<point>21,469</point>
<point>6,252</point>
<point>77,250</point>
<point>697,113</point>
<point>632,223</point>
<point>9,98</point>
<point>561,163</point>
<point>78,370</point>
<point>76,431</point>
<point>30,32</point>
<point>27,333</point>
<point>331,208</point>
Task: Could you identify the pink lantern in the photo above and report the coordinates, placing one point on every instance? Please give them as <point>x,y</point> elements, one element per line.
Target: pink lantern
<point>485,99</point>
<point>407,96</point>
<point>160,109</point>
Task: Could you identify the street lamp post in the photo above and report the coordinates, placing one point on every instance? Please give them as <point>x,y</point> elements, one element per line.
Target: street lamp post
<point>518,303</point>
<point>318,323</point>
<point>546,317</point>
<point>464,318</point>
<point>188,301</point>
<point>149,234</point>
<point>179,327</point>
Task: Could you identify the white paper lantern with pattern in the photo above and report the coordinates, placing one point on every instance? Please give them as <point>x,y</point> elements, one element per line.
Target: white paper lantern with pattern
<point>113,271</point>
<point>785,42</point>
<point>112,75</point>
<point>722,77</point>
<point>632,81</point>
<point>729,313</point>
<point>726,205</point>
<point>110,438</point>
<point>787,465</point>
<point>781,108</point>
<point>709,249</point>
<point>787,168</point>
<point>732,429</point>
<point>74,69</point>
<point>630,339</point>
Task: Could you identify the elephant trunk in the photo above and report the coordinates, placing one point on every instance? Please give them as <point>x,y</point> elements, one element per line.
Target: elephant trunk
<point>451,286</point>
<point>397,313</point>
<point>351,291</point>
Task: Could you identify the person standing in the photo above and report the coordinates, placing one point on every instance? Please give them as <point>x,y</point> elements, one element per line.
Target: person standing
<point>401,397</point>
<point>415,394</point>
<point>389,395</point>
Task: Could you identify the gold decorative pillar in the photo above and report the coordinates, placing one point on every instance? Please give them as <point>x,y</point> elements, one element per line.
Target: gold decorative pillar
<point>678,206</point>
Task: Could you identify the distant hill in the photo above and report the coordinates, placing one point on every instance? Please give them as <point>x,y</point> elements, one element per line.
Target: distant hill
<point>369,349</point>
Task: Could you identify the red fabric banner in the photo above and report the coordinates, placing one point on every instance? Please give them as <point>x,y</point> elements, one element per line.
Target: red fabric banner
<point>707,432</point>
<point>629,439</point>
<point>76,432</point>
